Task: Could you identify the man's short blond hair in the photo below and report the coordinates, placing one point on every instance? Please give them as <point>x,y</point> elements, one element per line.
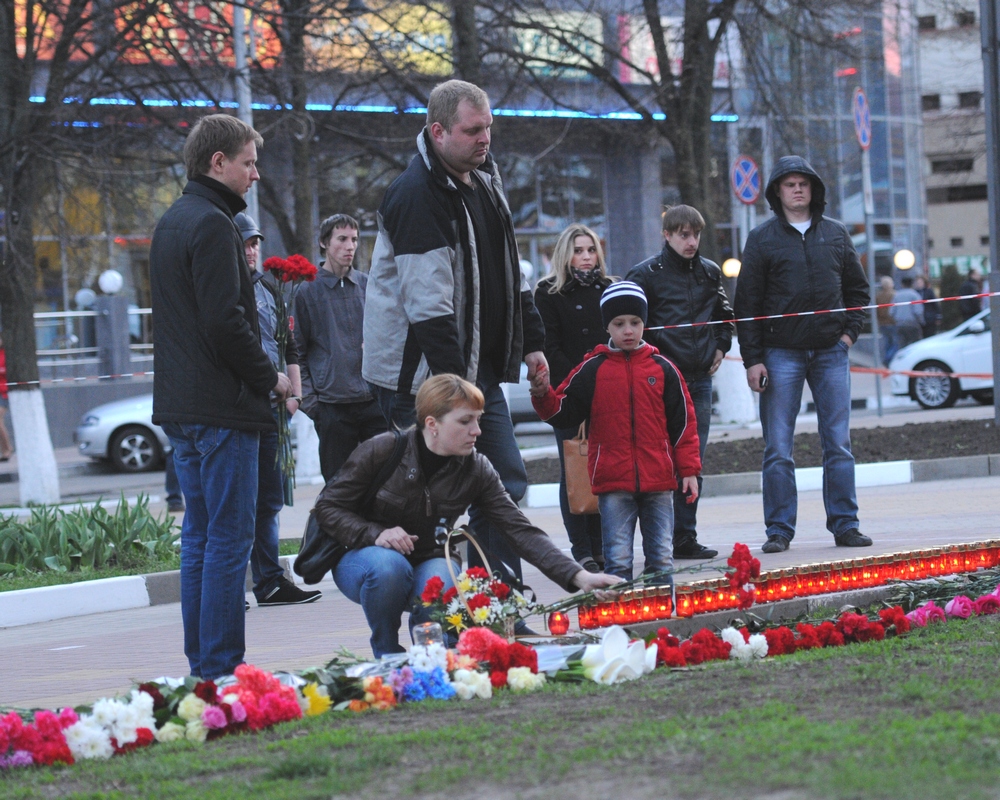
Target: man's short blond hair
<point>216,133</point>
<point>442,105</point>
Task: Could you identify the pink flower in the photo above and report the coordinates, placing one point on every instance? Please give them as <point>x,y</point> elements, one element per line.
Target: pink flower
<point>996,592</point>
<point>918,617</point>
<point>933,612</point>
<point>960,607</point>
<point>239,712</point>
<point>213,717</point>
<point>68,717</point>
<point>987,604</point>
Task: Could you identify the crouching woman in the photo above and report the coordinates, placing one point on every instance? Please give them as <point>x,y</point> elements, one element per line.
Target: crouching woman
<point>392,549</point>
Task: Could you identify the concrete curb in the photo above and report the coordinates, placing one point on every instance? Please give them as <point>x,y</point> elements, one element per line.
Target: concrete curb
<point>887,473</point>
<point>49,603</point>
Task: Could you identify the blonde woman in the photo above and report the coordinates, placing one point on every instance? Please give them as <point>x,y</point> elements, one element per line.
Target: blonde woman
<point>569,301</point>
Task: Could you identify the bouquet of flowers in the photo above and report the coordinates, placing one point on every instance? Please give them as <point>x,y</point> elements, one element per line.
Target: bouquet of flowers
<point>290,272</point>
<point>477,601</point>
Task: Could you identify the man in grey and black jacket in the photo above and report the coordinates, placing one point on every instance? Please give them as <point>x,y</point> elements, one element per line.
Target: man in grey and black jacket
<point>802,261</point>
<point>683,288</point>
<point>445,293</point>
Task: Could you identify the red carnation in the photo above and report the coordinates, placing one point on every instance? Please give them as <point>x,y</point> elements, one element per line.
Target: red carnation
<point>829,636</point>
<point>299,268</point>
<point>808,638</point>
<point>477,572</point>
<point>498,654</point>
<point>154,691</point>
<point>500,590</point>
<point>476,642</point>
<point>432,590</point>
<point>522,656</point>
<point>449,595</point>
<point>274,264</point>
<point>207,691</point>
<point>478,601</point>
<point>498,678</point>
<point>780,641</point>
<point>896,618</point>
<point>669,656</point>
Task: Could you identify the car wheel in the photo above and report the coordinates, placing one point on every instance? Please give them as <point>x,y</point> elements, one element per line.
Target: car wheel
<point>134,449</point>
<point>934,391</point>
<point>983,396</point>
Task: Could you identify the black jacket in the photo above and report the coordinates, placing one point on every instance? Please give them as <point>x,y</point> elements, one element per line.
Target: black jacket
<point>678,291</point>
<point>573,326</point>
<point>210,366</point>
<point>785,272</point>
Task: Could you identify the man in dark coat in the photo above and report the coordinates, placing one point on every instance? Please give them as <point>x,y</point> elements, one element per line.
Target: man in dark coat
<point>802,261</point>
<point>212,384</point>
<point>683,288</point>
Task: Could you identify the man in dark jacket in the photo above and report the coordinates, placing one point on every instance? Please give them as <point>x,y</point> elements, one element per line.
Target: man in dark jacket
<point>445,293</point>
<point>212,385</point>
<point>683,288</point>
<point>801,261</point>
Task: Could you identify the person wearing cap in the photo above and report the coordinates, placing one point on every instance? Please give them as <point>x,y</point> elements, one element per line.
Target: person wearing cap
<point>798,263</point>
<point>270,586</point>
<point>329,322</point>
<point>643,434</point>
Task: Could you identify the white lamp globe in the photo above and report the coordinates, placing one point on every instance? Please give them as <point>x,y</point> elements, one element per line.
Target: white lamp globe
<point>904,259</point>
<point>111,281</point>
<point>731,267</point>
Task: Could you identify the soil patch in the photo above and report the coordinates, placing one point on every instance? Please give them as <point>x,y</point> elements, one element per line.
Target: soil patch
<point>870,445</point>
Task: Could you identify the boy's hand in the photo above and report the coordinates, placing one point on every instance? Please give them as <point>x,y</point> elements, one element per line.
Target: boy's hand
<point>689,486</point>
<point>540,382</point>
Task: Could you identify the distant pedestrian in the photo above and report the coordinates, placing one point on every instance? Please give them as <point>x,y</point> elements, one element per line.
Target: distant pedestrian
<point>885,295</point>
<point>213,383</point>
<point>6,448</point>
<point>801,260</point>
<point>909,319</point>
<point>972,285</point>
<point>932,311</point>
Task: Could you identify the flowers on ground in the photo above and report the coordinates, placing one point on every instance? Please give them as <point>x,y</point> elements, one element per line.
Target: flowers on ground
<point>487,602</point>
<point>743,570</point>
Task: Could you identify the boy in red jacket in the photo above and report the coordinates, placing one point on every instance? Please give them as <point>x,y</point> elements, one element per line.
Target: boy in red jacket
<point>642,433</point>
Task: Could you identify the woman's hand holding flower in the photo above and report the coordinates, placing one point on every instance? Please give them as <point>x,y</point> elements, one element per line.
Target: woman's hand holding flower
<point>594,582</point>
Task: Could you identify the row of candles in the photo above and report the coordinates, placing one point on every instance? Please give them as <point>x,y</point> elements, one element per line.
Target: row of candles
<point>655,603</point>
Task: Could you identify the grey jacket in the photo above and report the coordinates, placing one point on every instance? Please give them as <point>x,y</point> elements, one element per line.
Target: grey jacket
<point>329,321</point>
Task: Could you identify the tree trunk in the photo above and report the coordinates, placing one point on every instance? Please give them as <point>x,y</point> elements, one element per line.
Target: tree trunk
<point>466,49</point>
<point>303,191</point>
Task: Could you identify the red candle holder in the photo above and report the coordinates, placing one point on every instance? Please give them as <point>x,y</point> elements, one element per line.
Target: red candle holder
<point>558,623</point>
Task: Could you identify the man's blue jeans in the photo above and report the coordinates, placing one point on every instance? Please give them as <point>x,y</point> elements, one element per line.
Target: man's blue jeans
<point>217,470</point>
<point>386,584</point>
<point>265,565</point>
<point>654,510</point>
<point>685,513</point>
<point>829,376</point>
<point>498,444</point>
<point>584,530</point>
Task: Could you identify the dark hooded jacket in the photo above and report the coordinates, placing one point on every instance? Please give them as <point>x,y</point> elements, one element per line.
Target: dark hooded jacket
<point>786,272</point>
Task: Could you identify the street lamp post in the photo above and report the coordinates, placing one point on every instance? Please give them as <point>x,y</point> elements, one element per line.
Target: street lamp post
<point>243,95</point>
<point>989,25</point>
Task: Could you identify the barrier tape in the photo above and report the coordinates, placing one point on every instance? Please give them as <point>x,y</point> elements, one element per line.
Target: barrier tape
<point>660,328</point>
<point>885,373</point>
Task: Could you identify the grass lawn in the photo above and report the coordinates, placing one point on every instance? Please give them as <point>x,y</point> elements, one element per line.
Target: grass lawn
<point>139,564</point>
<point>916,717</point>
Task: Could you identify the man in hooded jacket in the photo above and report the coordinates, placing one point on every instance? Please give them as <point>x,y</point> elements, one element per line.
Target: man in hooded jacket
<point>802,261</point>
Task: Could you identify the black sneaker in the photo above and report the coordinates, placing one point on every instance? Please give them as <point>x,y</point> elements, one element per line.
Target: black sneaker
<point>590,565</point>
<point>175,506</point>
<point>287,593</point>
<point>852,538</point>
<point>775,544</point>
<point>246,605</point>
<point>694,550</point>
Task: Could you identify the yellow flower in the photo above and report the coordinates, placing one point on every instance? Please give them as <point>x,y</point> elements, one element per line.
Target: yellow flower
<point>318,697</point>
<point>480,615</point>
<point>455,621</point>
<point>465,584</point>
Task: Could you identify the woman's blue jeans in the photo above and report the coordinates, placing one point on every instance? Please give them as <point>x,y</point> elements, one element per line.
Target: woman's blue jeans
<point>655,512</point>
<point>829,375</point>
<point>386,584</point>
<point>217,470</point>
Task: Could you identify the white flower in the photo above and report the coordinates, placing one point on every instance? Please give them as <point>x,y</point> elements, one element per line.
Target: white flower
<point>521,679</point>
<point>745,651</point>
<point>107,712</point>
<point>195,731</point>
<point>170,732</point>
<point>732,637</point>
<point>758,643</point>
<point>191,708</point>
<point>88,739</point>
<point>614,659</point>
<point>469,684</point>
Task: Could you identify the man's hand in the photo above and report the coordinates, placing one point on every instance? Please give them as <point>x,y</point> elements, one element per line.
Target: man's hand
<point>283,387</point>
<point>396,539</point>
<point>754,374</point>
<point>292,404</point>
<point>847,340</point>
<point>716,362</point>
<point>535,361</point>
<point>689,486</point>
<point>594,582</point>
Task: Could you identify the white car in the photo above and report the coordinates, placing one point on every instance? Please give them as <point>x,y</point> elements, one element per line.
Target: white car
<point>966,348</point>
<point>123,433</point>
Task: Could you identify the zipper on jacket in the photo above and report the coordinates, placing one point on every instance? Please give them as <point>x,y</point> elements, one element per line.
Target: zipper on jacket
<point>631,412</point>
<point>427,501</point>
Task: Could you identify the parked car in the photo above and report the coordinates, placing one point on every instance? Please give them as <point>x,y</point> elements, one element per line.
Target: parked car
<point>966,348</point>
<point>123,433</point>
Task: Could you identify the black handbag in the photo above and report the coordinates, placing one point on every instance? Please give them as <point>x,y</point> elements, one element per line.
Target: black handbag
<point>320,553</point>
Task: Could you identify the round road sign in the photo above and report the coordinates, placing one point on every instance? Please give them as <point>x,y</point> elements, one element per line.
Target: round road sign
<point>862,119</point>
<point>745,178</point>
